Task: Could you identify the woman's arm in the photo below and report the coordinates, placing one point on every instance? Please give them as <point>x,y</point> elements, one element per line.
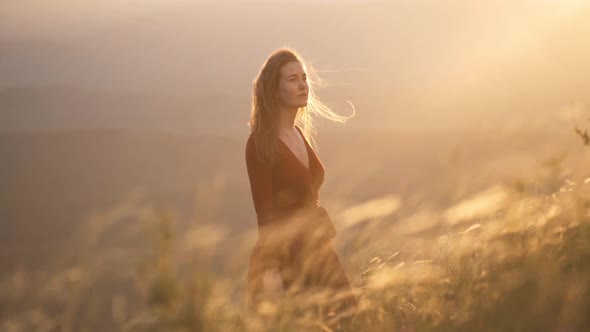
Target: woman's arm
<point>272,282</point>
<point>260,177</point>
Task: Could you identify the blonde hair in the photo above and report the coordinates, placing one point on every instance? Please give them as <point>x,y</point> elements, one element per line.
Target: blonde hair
<point>264,118</point>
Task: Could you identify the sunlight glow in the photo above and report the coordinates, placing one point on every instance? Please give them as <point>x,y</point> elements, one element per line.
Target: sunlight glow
<point>372,209</point>
<point>480,205</point>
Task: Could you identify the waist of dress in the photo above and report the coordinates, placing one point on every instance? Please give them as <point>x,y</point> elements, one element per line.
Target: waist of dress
<point>299,209</point>
<point>308,220</point>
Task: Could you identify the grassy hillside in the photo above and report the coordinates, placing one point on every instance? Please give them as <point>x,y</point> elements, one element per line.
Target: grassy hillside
<point>151,231</point>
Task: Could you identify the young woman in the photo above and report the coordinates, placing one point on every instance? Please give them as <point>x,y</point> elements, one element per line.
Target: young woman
<point>294,253</point>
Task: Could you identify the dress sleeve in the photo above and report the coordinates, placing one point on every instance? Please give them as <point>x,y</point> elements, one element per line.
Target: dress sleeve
<point>260,177</point>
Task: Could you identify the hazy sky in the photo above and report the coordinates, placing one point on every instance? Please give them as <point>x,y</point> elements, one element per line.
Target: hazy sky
<point>410,54</point>
<point>21,18</point>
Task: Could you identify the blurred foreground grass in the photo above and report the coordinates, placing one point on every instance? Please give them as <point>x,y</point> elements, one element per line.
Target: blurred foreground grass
<point>513,257</point>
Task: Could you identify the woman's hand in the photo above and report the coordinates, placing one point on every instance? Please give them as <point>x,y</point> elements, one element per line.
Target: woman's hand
<point>272,281</point>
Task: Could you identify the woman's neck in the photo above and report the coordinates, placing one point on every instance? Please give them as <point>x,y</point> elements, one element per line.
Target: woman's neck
<point>287,119</point>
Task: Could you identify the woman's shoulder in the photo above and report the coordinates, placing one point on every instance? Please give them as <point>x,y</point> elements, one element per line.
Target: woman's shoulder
<point>250,145</point>
<point>252,154</point>
<point>251,141</point>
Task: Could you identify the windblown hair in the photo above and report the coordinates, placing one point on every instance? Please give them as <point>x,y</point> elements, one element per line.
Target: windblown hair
<point>264,118</point>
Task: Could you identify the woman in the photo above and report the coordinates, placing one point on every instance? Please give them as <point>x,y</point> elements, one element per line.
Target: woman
<point>294,253</point>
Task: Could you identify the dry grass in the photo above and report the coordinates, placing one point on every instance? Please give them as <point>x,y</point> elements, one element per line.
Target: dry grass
<point>513,257</point>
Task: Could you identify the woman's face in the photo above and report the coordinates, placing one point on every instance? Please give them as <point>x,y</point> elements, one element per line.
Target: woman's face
<point>293,89</point>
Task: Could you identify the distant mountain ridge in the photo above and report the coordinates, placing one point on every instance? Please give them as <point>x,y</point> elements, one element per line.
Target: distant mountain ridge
<point>64,107</point>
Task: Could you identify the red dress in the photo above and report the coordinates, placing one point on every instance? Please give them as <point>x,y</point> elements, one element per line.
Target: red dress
<point>294,231</point>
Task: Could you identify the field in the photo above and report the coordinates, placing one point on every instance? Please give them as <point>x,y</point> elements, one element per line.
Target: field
<point>439,230</point>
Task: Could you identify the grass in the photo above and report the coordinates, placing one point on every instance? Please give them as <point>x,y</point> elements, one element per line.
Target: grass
<point>513,257</point>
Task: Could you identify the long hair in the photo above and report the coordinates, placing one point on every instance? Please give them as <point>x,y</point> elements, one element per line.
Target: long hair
<point>264,117</point>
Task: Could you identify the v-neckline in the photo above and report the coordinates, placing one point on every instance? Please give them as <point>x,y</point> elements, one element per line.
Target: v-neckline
<point>308,169</point>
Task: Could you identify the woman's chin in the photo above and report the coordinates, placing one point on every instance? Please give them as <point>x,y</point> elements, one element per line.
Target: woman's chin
<point>298,105</point>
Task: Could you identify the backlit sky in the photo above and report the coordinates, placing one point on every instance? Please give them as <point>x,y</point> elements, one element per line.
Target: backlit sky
<point>411,54</point>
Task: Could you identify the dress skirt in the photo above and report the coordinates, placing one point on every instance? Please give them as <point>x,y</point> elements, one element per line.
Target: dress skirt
<point>312,273</point>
